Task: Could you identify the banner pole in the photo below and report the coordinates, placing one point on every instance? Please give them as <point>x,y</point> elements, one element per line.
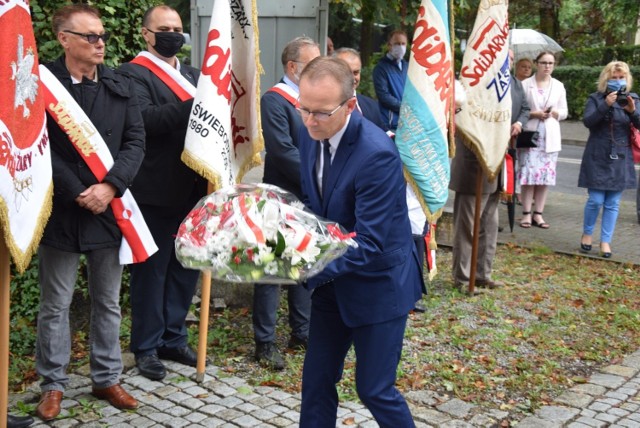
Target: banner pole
<point>476,233</point>
<point>5,297</point>
<point>203,331</point>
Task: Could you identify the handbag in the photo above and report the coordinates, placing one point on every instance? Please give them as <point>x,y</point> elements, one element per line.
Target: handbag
<point>634,139</point>
<point>527,140</point>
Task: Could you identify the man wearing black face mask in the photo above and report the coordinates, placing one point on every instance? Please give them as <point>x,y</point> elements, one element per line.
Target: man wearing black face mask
<point>161,289</point>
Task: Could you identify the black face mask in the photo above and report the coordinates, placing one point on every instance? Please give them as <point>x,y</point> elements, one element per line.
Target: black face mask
<point>168,43</point>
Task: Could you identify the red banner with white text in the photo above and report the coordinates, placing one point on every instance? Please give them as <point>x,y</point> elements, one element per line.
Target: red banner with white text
<point>224,139</point>
<point>25,159</point>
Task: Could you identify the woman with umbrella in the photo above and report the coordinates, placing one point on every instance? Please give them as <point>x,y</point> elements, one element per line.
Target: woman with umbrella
<point>607,162</point>
<point>537,166</point>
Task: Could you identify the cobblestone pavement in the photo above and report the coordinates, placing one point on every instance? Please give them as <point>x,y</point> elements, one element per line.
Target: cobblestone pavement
<point>610,398</point>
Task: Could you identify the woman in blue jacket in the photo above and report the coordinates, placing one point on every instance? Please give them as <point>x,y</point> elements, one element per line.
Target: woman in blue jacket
<point>607,162</point>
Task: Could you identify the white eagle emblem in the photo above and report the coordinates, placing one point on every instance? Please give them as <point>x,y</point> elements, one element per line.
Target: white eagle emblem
<point>26,81</point>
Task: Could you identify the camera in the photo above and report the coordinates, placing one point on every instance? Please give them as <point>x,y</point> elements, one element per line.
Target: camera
<point>621,97</point>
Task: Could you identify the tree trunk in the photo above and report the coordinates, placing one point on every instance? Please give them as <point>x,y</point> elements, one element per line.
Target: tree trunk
<point>366,36</point>
<point>549,23</point>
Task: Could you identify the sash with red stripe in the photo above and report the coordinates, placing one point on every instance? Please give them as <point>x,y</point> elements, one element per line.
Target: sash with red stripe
<point>286,92</point>
<point>137,242</point>
<point>171,77</point>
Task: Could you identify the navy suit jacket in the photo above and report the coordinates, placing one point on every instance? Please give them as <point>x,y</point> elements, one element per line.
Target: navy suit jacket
<point>366,193</point>
<point>371,111</point>
<point>280,128</point>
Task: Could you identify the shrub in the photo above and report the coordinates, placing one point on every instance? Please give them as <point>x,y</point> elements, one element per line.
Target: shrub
<point>579,82</point>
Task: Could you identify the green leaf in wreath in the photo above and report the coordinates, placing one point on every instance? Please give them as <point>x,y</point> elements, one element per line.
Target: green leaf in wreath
<point>279,245</point>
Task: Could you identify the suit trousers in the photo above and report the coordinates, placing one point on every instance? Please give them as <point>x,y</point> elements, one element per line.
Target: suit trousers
<point>463,218</point>
<point>161,289</point>
<point>378,348</point>
<point>57,272</point>
<point>266,300</point>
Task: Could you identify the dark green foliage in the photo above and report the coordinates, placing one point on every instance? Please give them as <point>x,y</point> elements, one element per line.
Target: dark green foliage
<point>120,17</point>
<point>603,55</point>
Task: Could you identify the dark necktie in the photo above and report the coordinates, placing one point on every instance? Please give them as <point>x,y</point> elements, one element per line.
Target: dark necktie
<point>326,165</point>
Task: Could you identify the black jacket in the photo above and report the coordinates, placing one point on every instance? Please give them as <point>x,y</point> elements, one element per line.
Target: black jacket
<point>113,109</point>
<point>164,180</point>
<point>281,125</point>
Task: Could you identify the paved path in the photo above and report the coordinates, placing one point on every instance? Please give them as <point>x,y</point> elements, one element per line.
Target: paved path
<point>610,398</point>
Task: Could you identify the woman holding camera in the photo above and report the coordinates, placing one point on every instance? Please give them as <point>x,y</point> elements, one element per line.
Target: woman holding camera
<point>607,161</point>
<point>537,166</point>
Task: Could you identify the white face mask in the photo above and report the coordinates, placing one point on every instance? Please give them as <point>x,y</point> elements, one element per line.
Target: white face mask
<point>398,51</point>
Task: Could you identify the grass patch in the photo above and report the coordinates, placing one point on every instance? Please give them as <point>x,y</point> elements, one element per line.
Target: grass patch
<point>558,319</point>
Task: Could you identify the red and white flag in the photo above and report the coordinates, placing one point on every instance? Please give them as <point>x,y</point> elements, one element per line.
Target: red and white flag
<point>224,139</point>
<point>485,119</point>
<point>25,160</point>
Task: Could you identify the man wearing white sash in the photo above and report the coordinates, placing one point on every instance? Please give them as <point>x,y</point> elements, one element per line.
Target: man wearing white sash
<point>281,125</point>
<point>82,220</point>
<point>166,189</point>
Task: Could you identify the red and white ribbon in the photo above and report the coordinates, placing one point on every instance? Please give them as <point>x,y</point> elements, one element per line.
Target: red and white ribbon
<point>170,76</point>
<point>137,242</point>
<point>286,92</point>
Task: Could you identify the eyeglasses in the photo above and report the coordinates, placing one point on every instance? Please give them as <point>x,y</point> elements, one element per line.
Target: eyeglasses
<point>319,115</point>
<point>543,63</point>
<point>91,38</point>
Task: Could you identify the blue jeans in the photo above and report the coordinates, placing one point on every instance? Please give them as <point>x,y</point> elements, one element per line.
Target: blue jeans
<point>58,271</point>
<point>266,299</point>
<point>609,201</point>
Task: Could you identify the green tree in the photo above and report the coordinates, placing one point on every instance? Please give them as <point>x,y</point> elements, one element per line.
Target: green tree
<point>120,17</point>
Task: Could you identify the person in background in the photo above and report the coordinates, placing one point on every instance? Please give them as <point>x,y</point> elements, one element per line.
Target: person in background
<point>369,109</point>
<point>166,189</point>
<point>389,77</point>
<point>523,68</point>
<point>281,126</point>
<point>362,298</point>
<point>547,99</point>
<point>607,161</point>
<point>330,49</point>
<point>365,105</point>
<point>464,168</point>
<point>82,221</point>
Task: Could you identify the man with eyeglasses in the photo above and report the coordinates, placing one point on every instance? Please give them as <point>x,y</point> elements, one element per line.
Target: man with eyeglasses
<point>166,189</point>
<point>280,128</point>
<point>351,173</point>
<point>82,221</point>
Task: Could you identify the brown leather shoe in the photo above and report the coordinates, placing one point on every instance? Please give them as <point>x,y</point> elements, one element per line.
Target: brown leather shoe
<point>49,405</point>
<point>116,396</point>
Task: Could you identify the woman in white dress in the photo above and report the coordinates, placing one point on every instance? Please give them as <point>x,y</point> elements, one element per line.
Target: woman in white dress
<point>537,166</point>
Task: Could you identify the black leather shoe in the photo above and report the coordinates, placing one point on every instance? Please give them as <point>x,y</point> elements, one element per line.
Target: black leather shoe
<point>297,344</point>
<point>184,355</point>
<point>267,355</point>
<point>18,421</point>
<point>419,308</point>
<point>151,367</point>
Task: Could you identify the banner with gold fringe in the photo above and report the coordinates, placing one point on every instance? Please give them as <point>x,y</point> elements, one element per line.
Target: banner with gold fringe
<point>426,110</point>
<point>25,160</point>
<point>224,137</point>
<point>485,118</point>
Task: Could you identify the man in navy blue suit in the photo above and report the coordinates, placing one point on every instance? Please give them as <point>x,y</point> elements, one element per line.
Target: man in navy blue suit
<point>362,298</point>
<point>367,106</point>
